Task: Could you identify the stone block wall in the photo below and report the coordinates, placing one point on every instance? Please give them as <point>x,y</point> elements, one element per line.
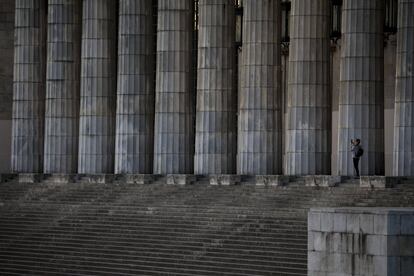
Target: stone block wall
<point>361,241</point>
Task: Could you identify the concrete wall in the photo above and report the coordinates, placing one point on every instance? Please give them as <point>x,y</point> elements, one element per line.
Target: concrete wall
<point>6,81</point>
<point>361,241</point>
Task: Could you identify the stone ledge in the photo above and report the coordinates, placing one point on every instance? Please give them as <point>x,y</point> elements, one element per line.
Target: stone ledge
<point>224,179</point>
<point>30,177</point>
<point>322,180</point>
<point>377,182</point>
<point>272,180</point>
<point>95,178</point>
<point>59,178</point>
<point>140,179</point>
<point>180,179</point>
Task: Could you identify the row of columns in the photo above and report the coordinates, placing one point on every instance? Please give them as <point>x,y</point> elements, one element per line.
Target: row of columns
<point>67,122</point>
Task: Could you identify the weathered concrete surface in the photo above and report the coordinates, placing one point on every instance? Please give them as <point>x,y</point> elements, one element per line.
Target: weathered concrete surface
<point>174,106</point>
<point>29,86</point>
<point>62,86</point>
<point>361,100</point>
<point>134,148</point>
<point>361,241</point>
<point>98,87</point>
<point>260,119</point>
<point>404,92</point>
<point>308,135</point>
<point>6,81</point>
<point>216,116</point>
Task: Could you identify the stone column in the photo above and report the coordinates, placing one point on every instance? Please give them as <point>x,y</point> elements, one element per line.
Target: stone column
<point>98,87</point>
<point>361,99</point>
<point>174,107</point>
<point>62,87</point>
<point>216,118</point>
<point>404,92</point>
<point>136,75</point>
<point>29,86</point>
<point>259,123</point>
<point>308,136</point>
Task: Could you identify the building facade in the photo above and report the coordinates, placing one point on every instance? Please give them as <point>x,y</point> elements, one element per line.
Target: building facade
<point>207,87</point>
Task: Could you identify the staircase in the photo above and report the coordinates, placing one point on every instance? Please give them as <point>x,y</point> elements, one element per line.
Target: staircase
<point>158,229</point>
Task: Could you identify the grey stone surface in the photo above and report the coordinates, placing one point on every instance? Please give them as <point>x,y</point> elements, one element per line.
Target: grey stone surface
<point>5,177</point>
<point>378,181</point>
<point>100,178</point>
<point>308,134</point>
<point>139,178</point>
<point>134,148</point>
<point>224,179</point>
<point>272,180</point>
<point>98,87</point>
<point>322,180</point>
<point>180,179</point>
<point>59,178</point>
<point>361,99</point>
<point>174,106</point>
<point>260,119</point>
<point>29,86</point>
<point>360,241</point>
<point>404,92</point>
<point>62,86</point>
<point>216,116</point>
<point>30,177</point>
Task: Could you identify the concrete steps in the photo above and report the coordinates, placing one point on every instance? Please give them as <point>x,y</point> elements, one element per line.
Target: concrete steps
<point>158,229</point>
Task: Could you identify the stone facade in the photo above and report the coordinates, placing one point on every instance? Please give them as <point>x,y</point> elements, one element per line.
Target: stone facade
<point>129,123</point>
<point>361,241</point>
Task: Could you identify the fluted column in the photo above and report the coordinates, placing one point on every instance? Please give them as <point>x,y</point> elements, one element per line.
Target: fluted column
<point>174,107</point>
<point>98,87</point>
<point>361,99</point>
<point>216,118</point>
<point>404,92</point>
<point>29,86</point>
<point>62,86</point>
<point>308,136</point>
<point>135,103</point>
<point>259,122</point>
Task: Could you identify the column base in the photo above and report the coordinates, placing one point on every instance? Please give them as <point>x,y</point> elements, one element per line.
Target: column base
<point>224,179</point>
<point>59,178</point>
<point>272,180</point>
<point>180,179</point>
<point>377,182</point>
<point>95,178</point>
<point>322,180</point>
<point>139,179</point>
<point>30,177</point>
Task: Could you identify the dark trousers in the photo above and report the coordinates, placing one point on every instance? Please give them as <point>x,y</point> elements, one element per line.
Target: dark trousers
<point>356,161</point>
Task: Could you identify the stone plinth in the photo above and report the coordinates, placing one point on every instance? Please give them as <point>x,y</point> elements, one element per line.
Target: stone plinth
<point>377,181</point>
<point>57,178</point>
<point>404,92</point>
<point>30,177</point>
<point>260,118</point>
<point>134,146</point>
<point>272,180</point>
<point>62,86</point>
<point>95,178</point>
<point>361,241</point>
<point>361,95</point>
<point>29,86</point>
<point>216,116</point>
<point>174,103</point>
<point>308,135</point>
<point>322,180</point>
<point>98,87</point>
<point>140,179</point>
<point>180,179</point>
<point>224,179</point>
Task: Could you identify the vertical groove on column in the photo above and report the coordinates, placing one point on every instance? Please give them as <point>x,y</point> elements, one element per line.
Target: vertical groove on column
<point>29,86</point>
<point>174,107</point>
<point>361,99</point>
<point>135,104</point>
<point>216,119</point>
<point>404,92</point>
<point>62,87</point>
<point>259,122</point>
<point>308,136</point>
<point>98,87</point>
